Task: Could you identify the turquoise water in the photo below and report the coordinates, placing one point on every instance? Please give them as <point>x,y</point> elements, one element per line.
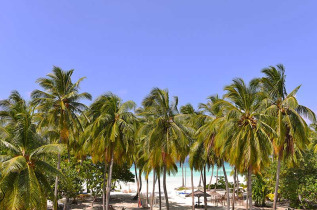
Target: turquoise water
<point>175,180</point>
<point>196,173</point>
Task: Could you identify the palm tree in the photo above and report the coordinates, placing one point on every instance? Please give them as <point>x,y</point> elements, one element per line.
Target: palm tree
<point>206,136</point>
<point>23,164</point>
<point>243,137</point>
<point>164,133</point>
<point>58,106</point>
<point>198,157</point>
<point>291,128</point>
<point>112,128</point>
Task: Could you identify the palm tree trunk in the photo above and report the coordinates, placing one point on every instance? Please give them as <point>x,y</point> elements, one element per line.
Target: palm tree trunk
<point>234,188</point>
<point>153,190</point>
<point>104,187</point>
<point>67,198</point>
<point>227,186</point>
<point>200,178</point>
<point>250,187</point>
<point>159,186</point>
<point>205,193</point>
<point>147,191</point>
<point>238,185</point>
<point>140,181</point>
<point>185,176</point>
<point>277,181</point>
<point>183,184</point>
<point>56,182</point>
<point>216,179</point>
<point>109,183</point>
<point>212,174</point>
<point>137,183</point>
<point>247,200</point>
<point>192,181</point>
<point>164,186</point>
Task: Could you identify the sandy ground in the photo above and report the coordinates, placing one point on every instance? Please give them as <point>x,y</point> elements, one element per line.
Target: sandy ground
<point>125,200</point>
<point>121,200</point>
<point>123,197</point>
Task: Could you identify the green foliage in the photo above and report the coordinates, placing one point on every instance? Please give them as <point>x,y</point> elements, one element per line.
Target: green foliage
<point>24,169</point>
<point>80,173</point>
<point>246,127</point>
<point>298,184</point>
<point>259,190</point>
<point>122,173</point>
<point>72,185</point>
<point>221,184</point>
<point>93,175</point>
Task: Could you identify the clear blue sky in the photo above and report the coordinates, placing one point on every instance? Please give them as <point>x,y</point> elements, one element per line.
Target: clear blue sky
<point>193,48</point>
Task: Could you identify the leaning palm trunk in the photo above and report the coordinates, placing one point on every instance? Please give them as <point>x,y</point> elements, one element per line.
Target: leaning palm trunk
<point>216,179</point>
<point>234,188</point>
<point>183,181</point>
<point>185,176</point>
<point>153,190</point>
<point>164,187</point>
<point>192,182</point>
<point>159,186</point>
<point>140,180</point>
<point>205,193</point>
<point>138,185</point>
<point>56,182</point>
<point>277,181</point>
<point>238,185</point>
<point>109,183</point>
<point>227,186</point>
<point>212,174</point>
<point>201,177</point>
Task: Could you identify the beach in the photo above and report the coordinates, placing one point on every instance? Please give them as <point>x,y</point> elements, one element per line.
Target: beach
<point>174,181</point>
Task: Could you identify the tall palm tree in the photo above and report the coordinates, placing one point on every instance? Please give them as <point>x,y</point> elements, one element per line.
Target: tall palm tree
<point>23,167</point>
<point>291,128</point>
<point>194,120</point>
<point>165,132</point>
<point>206,136</point>
<point>58,106</point>
<point>111,131</point>
<point>243,137</point>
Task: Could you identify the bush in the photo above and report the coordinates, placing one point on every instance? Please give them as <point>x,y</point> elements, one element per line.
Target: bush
<point>299,185</point>
<point>221,184</point>
<point>259,190</point>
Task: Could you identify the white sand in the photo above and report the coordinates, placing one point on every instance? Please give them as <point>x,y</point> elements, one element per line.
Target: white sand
<point>173,182</point>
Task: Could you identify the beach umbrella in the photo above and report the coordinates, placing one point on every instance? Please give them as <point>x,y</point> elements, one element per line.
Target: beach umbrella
<point>198,193</point>
<point>214,194</point>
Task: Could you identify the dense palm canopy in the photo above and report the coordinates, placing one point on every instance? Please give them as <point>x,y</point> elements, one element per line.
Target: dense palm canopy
<point>58,109</point>
<point>111,131</point>
<point>164,131</point>
<point>244,134</point>
<point>23,168</point>
<point>111,128</point>
<point>253,127</point>
<point>58,104</point>
<point>287,118</point>
<point>166,135</point>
